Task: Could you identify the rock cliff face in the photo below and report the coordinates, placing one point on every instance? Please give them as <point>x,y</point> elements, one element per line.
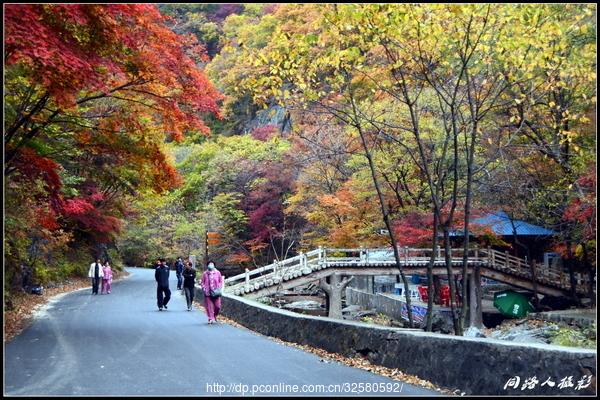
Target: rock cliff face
<point>274,115</point>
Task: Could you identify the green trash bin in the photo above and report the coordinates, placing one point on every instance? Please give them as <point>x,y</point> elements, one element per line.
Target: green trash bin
<point>512,304</point>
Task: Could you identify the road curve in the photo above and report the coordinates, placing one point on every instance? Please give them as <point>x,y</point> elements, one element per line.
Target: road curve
<point>120,344</point>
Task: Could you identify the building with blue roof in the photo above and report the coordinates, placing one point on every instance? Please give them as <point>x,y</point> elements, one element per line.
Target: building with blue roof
<point>502,225</point>
<point>525,239</point>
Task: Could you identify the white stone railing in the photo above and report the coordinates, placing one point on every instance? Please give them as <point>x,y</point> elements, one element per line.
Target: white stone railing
<point>305,263</point>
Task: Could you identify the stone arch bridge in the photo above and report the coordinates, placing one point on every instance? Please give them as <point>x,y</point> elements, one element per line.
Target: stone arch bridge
<point>339,265</point>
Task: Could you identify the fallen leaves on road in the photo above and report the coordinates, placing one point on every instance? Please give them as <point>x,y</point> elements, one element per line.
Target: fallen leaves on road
<point>357,362</point>
<point>365,364</point>
<point>25,304</point>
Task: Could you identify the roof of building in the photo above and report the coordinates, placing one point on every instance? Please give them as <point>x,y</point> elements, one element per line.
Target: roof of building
<point>501,224</point>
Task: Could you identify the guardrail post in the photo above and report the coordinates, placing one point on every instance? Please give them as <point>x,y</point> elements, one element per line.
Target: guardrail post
<point>367,256</point>
<point>405,255</point>
<point>477,253</point>
<point>438,249</point>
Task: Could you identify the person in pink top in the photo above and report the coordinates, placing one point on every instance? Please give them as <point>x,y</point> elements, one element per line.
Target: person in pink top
<point>107,278</point>
<point>212,286</point>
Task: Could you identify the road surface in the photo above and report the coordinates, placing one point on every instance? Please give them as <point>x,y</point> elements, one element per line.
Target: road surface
<point>120,344</point>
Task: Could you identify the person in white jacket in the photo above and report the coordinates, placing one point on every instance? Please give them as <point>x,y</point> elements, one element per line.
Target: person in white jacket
<point>96,274</point>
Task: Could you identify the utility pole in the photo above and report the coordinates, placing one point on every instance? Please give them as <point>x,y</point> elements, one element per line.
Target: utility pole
<point>205,250</point>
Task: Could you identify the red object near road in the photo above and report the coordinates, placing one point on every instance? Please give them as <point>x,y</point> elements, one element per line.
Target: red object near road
<point>423,293</point>
<point>445,295</point>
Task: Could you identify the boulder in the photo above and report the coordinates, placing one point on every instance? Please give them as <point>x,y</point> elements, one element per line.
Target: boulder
<point>365,313</point>
<point>37,289</point>
<point>304,305</point>
<point>472,331</point>
<point>442,323</point>
<point>351,309</point>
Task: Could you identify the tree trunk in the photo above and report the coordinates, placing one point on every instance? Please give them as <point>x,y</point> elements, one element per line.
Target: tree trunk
<point>436,289</point>
<point>536,300</point>
<point>335,290</point>
<point>472,299</point>
<point>451,283</point>
<point>478,295</point>
<point>467,217</point>
<point>384,211</point>
<point>571,268</point>
<point>591,271</point>
<point>430,279</point>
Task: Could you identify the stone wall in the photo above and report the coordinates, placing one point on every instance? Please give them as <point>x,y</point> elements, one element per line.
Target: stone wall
<point>573,317</point>
<point>379,302</point>
<point>389,305</point>
<point>475,366</point>
<point>363,283</point>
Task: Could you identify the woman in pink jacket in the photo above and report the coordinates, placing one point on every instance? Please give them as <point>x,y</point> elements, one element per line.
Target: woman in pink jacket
<point>212,286</point>
<point>106,278</point>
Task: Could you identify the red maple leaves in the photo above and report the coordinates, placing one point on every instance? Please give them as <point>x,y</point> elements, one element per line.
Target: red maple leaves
<point>582,209</point>
<point>264,133</point>
<point>120,66</point>
<point>71,49</point>
<point>33,167</point>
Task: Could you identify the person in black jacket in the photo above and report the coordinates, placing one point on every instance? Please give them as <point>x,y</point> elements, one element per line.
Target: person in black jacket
<point>178,272</point>
<point>189,280</point>
<point>163,294</point>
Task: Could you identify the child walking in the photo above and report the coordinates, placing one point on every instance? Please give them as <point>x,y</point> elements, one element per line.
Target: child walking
<point>107,278</point>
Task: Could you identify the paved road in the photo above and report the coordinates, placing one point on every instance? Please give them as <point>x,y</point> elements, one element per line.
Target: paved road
<point>120,344</point>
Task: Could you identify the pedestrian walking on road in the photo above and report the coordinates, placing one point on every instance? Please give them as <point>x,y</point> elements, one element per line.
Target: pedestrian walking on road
<point>163,294</point>
<point>212,286</point>
<point>96,273</point>
<point>178,272</point>
<point>106,278</point>
<point>189,280</point>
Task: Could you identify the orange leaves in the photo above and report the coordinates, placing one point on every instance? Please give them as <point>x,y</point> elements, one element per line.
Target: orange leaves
<point>349,216</point>
<point>83,137</point>
<point>164,175</point>
<point>47,219</point>
<point>239,258</point>
<point>341,203</point>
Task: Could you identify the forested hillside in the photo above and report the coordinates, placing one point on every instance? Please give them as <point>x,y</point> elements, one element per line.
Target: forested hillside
<point>288,126</point>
